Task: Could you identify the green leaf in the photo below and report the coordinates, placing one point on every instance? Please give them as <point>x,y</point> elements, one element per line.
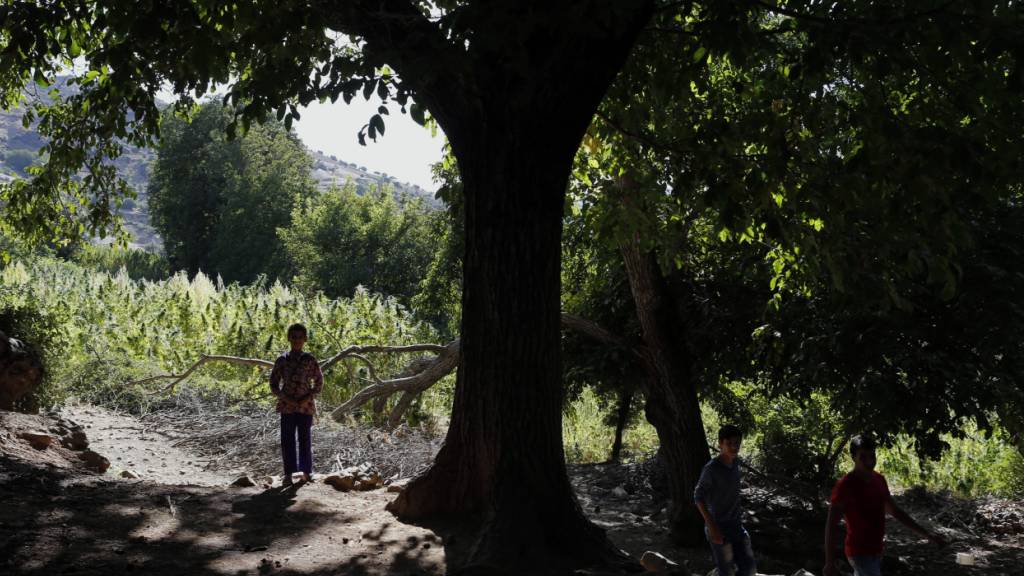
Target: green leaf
<point>417,113</point>
<point>376,125</point>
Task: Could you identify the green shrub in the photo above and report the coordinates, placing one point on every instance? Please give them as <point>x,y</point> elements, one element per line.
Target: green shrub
<point>138,264</point>
<point>116,329</point>
<point>973,465</point>
<point>587,437</point>
<point>22,317</point>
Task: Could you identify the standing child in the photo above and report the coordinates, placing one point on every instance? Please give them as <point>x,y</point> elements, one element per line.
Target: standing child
<point>862,497</point>
<point>296,380</point>
<point>717,496</point>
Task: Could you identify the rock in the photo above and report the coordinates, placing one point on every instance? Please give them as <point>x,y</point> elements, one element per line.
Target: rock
<point>802,572</point>
<point>620,492</point>
<point>398,486</point>
<point>341,483</point>
<point>131,474</point>
<point>243,482</point>
<point>371,482</point>
<point>38,440</point>
<point>75,441</point>
<point>94,461</point>
<point>21,372</point>
<point>654,562</point>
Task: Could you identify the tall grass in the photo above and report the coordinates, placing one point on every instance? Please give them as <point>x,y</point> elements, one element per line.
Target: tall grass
<point>116,329</point>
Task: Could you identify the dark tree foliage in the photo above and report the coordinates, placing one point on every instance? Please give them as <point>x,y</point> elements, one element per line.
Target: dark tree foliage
<point>218,202</point>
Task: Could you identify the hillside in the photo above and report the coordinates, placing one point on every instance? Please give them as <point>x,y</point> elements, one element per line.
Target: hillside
<point>19,146</point>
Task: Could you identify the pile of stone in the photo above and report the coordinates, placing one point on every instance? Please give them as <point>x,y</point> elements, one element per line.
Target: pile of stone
<point>359,478</point>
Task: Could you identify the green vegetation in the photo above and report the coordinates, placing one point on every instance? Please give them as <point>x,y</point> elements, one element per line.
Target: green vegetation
<point>138,264</point>
<point>217,203</point>
<point>339,240</point>
<point>111,329</point>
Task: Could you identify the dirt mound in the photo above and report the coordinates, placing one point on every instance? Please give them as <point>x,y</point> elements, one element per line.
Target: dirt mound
<point>47,440</point>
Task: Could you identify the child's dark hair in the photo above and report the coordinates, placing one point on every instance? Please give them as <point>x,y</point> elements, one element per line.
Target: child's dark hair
<point>861,442</point>
<point>729,431</point>
<point>297,328</point>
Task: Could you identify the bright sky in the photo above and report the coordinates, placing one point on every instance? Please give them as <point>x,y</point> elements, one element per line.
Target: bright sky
<point>405,151</point>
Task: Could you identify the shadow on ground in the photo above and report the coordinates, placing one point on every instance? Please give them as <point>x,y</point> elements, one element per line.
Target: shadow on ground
<point>55,523</point>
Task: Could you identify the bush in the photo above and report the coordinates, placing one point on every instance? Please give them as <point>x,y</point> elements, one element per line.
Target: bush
<point>117,330</point>
<point>22,317</point>
<point>972,466</point>
<point>138,264</point>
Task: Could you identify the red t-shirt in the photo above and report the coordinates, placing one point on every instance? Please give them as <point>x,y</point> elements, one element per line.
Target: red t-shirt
<point>865,512</point>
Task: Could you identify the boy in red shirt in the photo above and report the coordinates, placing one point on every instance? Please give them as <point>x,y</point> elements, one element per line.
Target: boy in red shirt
<point>862,497</point>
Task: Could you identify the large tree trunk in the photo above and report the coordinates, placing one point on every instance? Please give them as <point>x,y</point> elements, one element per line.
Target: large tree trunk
<point>529,95</point>
<point>672,405</point>
<point>503,456</point>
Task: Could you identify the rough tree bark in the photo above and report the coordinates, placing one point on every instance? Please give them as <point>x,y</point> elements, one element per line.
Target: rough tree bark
<point>621,419</point>
<point>502,460</point>
<point>672,405</point>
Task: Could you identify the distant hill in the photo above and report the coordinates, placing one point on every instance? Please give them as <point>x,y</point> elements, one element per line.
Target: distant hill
<point>18,148</point>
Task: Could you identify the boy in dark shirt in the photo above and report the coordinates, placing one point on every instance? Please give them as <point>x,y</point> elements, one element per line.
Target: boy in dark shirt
<point>717,496</point>
<point>862,497</point>
<point>296,380</point>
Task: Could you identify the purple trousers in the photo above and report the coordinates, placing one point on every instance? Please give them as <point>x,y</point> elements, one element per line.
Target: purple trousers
<point>301,426</point>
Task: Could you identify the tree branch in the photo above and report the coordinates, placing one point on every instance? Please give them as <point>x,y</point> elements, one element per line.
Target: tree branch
<point>358,351</point>
<point>445,362</point>
<point>266,365</point>
<point>397,33</point>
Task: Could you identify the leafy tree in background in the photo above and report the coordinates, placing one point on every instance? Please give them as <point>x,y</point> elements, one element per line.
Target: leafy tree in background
<point>440,294</point>
<point>339,240</point>
<point>194,169</point>
<point>218,202</point>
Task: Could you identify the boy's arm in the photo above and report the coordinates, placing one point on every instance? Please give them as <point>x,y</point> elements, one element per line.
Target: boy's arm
<point>714,534</point>
<point>704,489</point>
<point>835,512</point>
<point>275,379</point>
<point>898,513</point>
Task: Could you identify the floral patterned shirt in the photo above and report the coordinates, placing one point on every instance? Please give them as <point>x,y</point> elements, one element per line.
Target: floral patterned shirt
<point>296,380</point>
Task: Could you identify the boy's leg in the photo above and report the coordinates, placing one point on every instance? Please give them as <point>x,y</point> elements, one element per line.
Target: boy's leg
<point>743,552</point>
<point>722,554</point>
<point>866,565</point>
<point>304,424</point>
<point>288,444</point>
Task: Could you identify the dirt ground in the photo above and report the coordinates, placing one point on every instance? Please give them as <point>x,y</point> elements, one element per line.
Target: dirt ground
<point>180,515</point>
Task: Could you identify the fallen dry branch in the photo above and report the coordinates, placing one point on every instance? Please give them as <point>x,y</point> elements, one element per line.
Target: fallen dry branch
<point>266,365</point>
<point>446,361</point>
<point>420,374</point>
